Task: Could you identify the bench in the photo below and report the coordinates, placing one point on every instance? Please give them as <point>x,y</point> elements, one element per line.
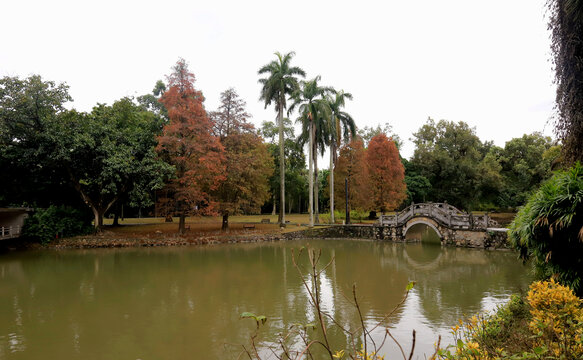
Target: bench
<point>248,226</point>
<point>265,221</point>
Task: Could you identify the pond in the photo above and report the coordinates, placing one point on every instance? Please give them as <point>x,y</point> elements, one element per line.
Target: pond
<point>185,302</point>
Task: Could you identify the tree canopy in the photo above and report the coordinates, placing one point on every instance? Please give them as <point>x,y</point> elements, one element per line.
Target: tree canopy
<point>247,160</point>
<point>187,143</point>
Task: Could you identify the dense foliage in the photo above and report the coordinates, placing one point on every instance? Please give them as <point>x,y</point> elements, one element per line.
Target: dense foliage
<point>566,25</point>
<point>248,164</point>
<point>56,222</point>
<point>187,143</point>
<point>296,177</point>
<point>548,324</point>
<point>386,174</point>
<point>281,82</point>
<point>548,228</point>
<point>452,164</point>
<point>165,148</point>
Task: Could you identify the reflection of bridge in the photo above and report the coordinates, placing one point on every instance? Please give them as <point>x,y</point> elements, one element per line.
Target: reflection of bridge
<point>452,225</point>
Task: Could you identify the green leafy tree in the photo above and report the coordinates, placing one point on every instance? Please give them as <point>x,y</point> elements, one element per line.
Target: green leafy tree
<point>315,116</point>
<point>548,228</point>
<point>524,166</point>
<point>418,186</point>
<point>566,25</point>
<point>368,132</point>
<point>151,102</point>
<point>27,109</point>
<point>109,154</point>
<point>295,165</point>
<point>281,82</point>
<point>447,155</point>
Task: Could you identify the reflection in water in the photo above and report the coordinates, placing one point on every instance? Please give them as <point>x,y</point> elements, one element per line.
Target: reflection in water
<point>186,302</point>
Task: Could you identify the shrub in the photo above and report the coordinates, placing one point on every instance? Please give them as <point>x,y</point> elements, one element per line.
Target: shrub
<point>557,319</point>
<point>56,221</point>
<point>549,325</point>
<point>548,228</point>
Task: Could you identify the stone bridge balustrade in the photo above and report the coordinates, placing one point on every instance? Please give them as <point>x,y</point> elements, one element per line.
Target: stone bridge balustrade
<point>443,213</point>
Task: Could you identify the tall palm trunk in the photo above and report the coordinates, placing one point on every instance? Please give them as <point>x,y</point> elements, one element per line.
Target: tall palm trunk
<point>315,157</point>
<point>311,175</point>
<point>281,218</point>
<point>332,153</point>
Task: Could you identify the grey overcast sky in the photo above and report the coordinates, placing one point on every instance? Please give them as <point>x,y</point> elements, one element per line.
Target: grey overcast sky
<point>483,62</point>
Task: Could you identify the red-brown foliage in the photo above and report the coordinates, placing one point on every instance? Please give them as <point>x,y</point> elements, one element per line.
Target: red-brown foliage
<point>351,165</point>
<point>386,174</point>
<point>188,144</point>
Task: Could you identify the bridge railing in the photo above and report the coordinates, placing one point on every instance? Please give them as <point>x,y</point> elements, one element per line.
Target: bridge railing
<point>10,231</point>
<point>443,213</point>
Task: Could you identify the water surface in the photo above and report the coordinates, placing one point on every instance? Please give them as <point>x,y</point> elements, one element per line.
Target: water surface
<point>185,302</point>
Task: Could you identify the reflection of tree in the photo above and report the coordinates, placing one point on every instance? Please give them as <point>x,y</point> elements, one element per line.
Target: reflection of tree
<point>174,302</point>
<point>454,283</point>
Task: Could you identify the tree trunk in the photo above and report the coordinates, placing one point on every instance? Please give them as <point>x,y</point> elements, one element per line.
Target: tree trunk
<point>182,223</point>
<point>116,216</point>
<point>332,150</point>
<point>281,218</point>
<point>311,176</point>
<point>273,212</point>
<point>225,225</point>
<point>97,218</point>
<point>316,186</point>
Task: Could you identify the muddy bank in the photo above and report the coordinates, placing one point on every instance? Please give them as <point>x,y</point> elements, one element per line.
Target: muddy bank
<point>108,239</point>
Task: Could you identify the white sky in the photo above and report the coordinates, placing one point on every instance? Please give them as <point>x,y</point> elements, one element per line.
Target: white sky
<point>482,62</point>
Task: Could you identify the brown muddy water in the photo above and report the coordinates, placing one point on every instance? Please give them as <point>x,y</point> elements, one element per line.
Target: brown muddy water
<point>185,302</point>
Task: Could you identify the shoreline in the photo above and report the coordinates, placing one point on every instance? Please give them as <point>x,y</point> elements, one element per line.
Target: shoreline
<point>109,239</point>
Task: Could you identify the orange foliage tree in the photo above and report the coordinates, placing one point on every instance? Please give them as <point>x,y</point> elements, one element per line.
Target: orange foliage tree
<point>248,162</point>
<point>386,178</point>
<point>187,143</point>
<point>351,165</point>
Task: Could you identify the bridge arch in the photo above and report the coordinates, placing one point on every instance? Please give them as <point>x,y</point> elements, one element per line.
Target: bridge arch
<point>425,221</point>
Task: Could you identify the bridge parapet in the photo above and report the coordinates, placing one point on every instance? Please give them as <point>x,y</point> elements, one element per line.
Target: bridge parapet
<point>443,213</point>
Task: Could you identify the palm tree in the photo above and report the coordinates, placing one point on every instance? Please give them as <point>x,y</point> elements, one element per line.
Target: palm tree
<point>280,82</point>
<point>314,115</point>
<point>343,127</point>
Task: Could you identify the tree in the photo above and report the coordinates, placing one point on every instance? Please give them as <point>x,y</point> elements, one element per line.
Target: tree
<point>295,165</point>
<point>418,186</point>
<point>524,167</point>
<point>231,116</point>
<point>368,132</point>
<point>27,108</point>
<point>315,116</point>
<point>548,228</point>
<point>566,25</point>
<point>447,155</point>
<point>188,144</point>
<point>343,128</point>
<point>109,154</point>
<point>351,166</point>
<point>281,81</point>
<point>151,102</point>
<point>248,163</point>
<point>386,174</point>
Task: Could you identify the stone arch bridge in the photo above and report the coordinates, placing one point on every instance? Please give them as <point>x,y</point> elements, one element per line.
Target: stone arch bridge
<point>453,226</point>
